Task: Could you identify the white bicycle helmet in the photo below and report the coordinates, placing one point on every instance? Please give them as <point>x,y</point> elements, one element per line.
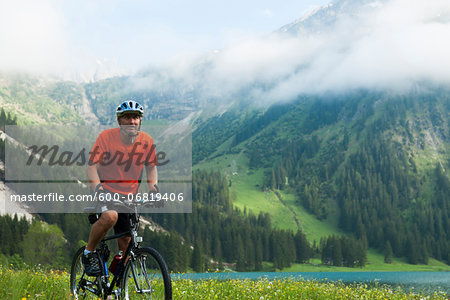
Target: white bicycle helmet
<point>129,106</point>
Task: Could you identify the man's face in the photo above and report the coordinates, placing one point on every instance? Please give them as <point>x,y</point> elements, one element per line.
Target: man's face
<point>130,122</point>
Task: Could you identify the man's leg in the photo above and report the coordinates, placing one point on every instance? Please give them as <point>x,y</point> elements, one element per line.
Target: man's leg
<point>100,228</point>
<point>123,225</point>
<point>98,231</point>
<point>123,243</point>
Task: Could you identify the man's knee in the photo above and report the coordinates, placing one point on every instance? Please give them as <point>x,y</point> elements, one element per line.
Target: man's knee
<point>109,218</point>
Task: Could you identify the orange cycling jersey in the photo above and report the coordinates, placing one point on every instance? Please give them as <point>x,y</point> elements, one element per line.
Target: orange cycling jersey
<point>121,165</point>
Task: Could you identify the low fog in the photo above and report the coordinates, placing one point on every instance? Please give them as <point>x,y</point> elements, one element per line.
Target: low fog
<point>377,45</point>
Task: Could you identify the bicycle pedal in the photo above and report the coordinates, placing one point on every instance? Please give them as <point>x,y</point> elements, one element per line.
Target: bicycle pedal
<point>117,292</point>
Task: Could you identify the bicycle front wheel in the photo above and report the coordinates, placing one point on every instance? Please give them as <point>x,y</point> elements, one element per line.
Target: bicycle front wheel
<point>146,276</point>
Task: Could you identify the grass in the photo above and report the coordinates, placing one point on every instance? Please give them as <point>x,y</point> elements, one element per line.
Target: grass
<point>253,199</point>
<point>39,284</point>
<point>285,289</point>
<point>313,228</point>
<point>246,187</point>
<point>246,191</point>
<point>376,263</point>
<point>33,284</point>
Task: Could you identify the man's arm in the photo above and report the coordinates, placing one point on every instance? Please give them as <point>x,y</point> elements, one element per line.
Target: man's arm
<point>152,177</point>
<point>92,175</point>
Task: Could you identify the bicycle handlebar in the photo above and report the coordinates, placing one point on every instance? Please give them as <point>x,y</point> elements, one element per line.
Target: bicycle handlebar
<point>128,205</point>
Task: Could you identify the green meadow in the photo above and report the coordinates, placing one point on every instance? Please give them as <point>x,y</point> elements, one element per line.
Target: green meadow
<point>39,284</point>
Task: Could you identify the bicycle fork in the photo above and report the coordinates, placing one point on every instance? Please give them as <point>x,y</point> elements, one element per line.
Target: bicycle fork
<point>141,261</point>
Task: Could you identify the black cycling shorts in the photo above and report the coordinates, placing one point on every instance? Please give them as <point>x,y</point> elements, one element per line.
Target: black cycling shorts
<point>123,220</point>
<point>122,224</point>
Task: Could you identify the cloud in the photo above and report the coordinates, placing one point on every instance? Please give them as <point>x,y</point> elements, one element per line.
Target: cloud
<point>36,38</point>
<point>32,36</point>
<point>352,44</point>
<point>268,13</point>
<point>399,42</point>
<point>386,44</point>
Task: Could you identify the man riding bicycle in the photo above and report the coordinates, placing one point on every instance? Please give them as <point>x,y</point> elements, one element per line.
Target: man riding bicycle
<point>116,163</point>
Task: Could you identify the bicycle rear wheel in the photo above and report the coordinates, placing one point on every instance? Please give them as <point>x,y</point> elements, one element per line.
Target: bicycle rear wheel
<point>81,286</point>
<point>147,276</point>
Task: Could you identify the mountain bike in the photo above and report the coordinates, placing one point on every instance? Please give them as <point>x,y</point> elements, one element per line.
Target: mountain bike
<point>141,272</point>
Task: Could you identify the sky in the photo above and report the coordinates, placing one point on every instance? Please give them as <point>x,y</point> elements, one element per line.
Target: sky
<point>57,35</point>
<point>223,47</point>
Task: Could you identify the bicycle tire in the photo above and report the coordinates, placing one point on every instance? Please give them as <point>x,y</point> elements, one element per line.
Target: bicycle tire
<point>152,275</point>
<point>76,273</point>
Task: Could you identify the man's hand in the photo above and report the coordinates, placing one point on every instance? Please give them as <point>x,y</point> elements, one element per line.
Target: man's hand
<point>99,187</point>
<point>93,178</point>
<point>154,189</point>
<point>152,179</point>
<point>100,193</point>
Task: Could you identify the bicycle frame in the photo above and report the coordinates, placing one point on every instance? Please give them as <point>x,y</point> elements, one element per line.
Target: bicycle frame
<point>128,254</point>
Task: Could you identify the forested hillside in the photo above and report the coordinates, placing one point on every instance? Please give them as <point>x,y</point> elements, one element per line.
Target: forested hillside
<point>381,158</point>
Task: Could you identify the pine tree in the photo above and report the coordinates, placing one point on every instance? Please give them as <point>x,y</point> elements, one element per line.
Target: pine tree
<point>388,253</point>
<point>303,249</point>
<point>336,251</point>
<point>240,254</point>
<point>258,254</point>
<point>197,259</point>
<point>2,119</point>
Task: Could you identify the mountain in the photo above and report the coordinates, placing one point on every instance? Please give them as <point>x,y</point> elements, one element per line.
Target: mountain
<point>39,100</point>
<point>324,19</point>
<point>368,162</point>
